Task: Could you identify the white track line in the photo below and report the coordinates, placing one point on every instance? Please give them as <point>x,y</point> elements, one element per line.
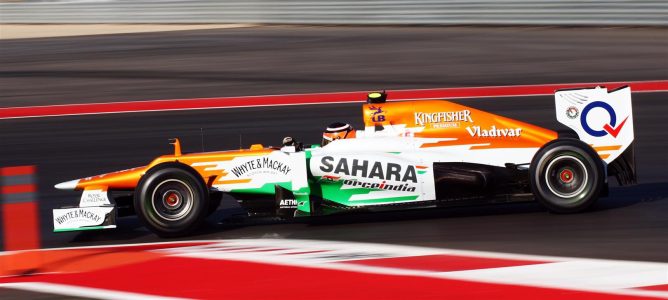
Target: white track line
<point>575,274</point>
<point>79,291</point>
<point>582,274</point>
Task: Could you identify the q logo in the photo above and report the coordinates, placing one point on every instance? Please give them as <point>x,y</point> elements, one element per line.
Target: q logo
<point>607,128</point>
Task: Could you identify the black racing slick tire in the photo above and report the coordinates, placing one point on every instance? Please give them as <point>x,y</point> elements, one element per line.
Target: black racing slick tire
<point>567,176</point>
<point>171,200</point>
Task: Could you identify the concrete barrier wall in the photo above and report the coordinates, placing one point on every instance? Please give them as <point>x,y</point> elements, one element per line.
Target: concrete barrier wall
<point>398,12</point>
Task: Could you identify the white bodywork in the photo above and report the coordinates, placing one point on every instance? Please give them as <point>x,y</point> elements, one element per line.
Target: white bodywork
<point>600,119</point>
<point>406,152</point>
<point>81,218</point>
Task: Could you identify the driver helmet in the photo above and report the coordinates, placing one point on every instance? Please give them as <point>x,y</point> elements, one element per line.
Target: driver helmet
<point>337,131</point>
<point>289,141</point>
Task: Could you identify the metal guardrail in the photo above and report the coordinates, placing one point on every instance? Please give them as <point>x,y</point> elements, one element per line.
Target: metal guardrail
<point>399,12</point>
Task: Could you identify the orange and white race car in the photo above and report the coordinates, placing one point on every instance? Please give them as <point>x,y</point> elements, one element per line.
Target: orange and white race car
<point>421,153</point>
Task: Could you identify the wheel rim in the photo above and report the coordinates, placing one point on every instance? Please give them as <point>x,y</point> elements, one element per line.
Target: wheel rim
<point>566,176</point>
<point>172,200</point>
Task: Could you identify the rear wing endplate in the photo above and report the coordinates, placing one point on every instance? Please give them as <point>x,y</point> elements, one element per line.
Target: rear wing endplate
<point>604,120</point>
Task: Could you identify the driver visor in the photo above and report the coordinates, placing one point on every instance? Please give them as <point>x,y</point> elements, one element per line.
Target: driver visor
<point>329,137</point>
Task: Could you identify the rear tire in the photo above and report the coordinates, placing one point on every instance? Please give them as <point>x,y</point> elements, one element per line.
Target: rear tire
<point>171,201</point>
<point>567,176</point>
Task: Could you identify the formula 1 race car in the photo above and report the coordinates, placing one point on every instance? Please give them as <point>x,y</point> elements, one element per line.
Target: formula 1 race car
<point>423,153</point>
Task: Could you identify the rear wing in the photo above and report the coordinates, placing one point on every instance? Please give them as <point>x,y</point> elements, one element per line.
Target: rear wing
<point>603,120</point>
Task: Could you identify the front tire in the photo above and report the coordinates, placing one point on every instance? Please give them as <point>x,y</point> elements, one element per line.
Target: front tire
<point>567,176</point>
<point>171,201</point>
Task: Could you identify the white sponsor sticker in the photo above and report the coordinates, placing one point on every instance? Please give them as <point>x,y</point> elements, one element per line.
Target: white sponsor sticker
<point>96,197</point>
<point>494,131</point>
<point>72,218</point>
<point>444,117</point>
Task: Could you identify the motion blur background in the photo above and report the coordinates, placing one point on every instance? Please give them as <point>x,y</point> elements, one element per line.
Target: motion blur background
<point>342,12</point>
<point>90,51</point>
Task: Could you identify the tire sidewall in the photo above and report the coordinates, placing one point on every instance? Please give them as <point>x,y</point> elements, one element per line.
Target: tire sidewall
<point>146,212</point>
<point>592,165</point>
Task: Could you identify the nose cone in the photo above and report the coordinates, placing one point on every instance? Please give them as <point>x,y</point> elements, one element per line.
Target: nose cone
<point>67,185</point>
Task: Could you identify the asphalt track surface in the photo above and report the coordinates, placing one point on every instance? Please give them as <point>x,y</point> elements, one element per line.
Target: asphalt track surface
<point>290,59</point>
<point>631,224</point>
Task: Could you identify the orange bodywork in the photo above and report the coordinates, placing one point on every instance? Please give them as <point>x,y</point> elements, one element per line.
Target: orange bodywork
<point>444,119</point>
<point>128,179</point>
